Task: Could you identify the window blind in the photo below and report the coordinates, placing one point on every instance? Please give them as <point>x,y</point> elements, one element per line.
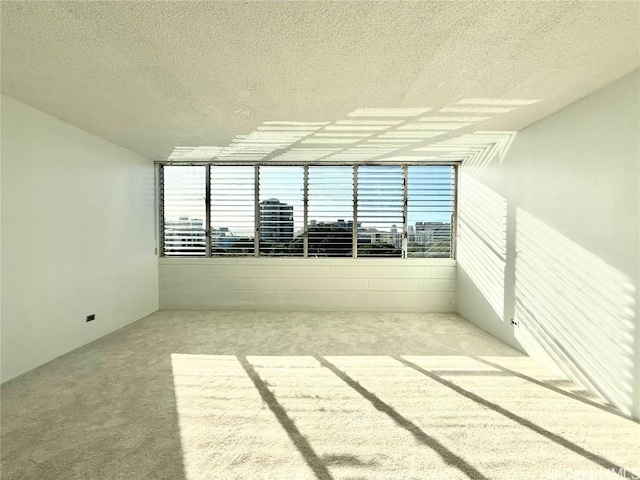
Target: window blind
<point>232,210</point>
<point>380,195</point>
<point>281,211</point>
<point>330,211</point>
<point>308,210</point>
<point>183,212</point>
<point>430,206</point>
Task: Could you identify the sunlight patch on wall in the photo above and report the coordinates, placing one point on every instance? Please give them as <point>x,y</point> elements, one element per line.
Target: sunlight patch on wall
<point>482,239</point>
<point>575,310</point>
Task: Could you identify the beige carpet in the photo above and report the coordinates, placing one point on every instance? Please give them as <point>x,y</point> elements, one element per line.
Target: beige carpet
<point>244,395</point>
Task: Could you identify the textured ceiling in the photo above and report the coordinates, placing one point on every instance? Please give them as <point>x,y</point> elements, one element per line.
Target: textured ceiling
<point>153,76</point>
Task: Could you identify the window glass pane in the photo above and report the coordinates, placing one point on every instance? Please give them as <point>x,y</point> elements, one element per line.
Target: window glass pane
<point>183,210</point>
<point>281,211</point>
<point>232,210</point>
<point>330,214</point>
<point>380,210</point>
<point>430,210</point>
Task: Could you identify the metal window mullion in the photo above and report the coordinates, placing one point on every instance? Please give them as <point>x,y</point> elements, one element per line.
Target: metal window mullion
<point>354,239</point>
<point>256,213</point>
<point>305,211</point>
<point>207,209</point>
<point>405,207</point>
<point>161,209</point>
<point>454,214</point>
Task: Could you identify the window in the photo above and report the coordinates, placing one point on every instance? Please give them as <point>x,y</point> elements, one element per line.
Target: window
<point>184,211</point>
<point>430,208</point>
<point>330,211</point>
<point>281,211</point>
<point>380,210</point>
<point>232,210</point>
<point>395,211</point>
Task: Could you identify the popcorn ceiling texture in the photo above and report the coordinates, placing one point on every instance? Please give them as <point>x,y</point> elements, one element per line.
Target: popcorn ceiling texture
<point>151,76</point>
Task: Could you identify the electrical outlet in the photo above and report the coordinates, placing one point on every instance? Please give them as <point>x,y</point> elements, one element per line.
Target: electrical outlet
<point>515,323</point>
<point>91,317</point>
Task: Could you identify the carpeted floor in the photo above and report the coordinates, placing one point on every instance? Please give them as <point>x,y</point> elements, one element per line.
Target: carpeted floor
<point>253,395</point>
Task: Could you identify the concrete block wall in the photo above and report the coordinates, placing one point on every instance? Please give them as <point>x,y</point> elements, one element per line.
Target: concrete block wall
<point>312,284</point>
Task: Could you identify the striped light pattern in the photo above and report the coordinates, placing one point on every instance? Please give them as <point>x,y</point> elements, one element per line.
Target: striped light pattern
<point>366,134</point>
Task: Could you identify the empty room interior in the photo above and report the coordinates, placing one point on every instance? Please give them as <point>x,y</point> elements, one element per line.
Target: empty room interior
<point>330,240</point>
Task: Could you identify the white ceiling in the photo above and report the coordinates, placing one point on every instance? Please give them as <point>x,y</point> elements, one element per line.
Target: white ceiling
<point>153,76</point>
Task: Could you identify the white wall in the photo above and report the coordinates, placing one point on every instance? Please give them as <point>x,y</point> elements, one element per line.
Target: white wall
<point>557,245</point>
<point>288,284</point>
<point>78,237</point>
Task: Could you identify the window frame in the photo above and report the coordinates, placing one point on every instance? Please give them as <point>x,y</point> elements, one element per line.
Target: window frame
<point>455,166</point>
